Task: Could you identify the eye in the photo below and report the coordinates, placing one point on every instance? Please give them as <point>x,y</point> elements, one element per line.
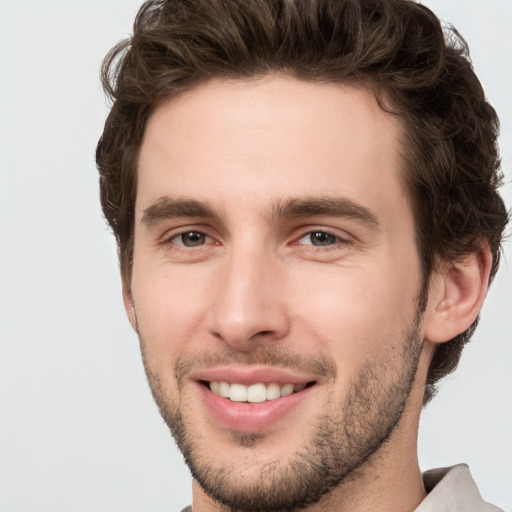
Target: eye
<point>319,239</point>
<point>191,239</point>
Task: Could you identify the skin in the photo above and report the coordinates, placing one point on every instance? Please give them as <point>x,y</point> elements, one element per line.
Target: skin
<point>256,290</point>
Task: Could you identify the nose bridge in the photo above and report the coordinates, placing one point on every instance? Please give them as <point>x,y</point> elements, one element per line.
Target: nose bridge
<point>247,304</point>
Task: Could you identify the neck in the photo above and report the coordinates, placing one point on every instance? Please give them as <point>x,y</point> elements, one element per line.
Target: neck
<point>390,481</point>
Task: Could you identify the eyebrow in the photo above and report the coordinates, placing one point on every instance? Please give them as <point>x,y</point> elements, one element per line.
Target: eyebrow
<point>326,206</point>
<point>169,208</point>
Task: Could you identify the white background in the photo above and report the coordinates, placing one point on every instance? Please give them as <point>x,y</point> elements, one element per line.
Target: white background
<point>78,429</point>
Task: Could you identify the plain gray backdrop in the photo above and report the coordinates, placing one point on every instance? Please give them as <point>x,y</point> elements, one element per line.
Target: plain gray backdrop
<point>78,428</point>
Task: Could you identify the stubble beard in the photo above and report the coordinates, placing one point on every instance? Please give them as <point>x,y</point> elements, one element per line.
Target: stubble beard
<point>345,437</point>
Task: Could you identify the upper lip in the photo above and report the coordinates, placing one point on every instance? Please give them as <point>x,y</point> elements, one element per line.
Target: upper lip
<point>248,375</point>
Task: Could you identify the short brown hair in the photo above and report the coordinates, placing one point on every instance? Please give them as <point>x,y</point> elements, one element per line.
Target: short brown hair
<point>397,47</point>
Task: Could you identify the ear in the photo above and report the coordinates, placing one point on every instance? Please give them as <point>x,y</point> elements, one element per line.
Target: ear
<point>129,306</point>
<point>456,295</point>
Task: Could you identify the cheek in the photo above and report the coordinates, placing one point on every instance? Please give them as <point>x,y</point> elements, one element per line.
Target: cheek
<point>170,311</point>
<point>354,314</point>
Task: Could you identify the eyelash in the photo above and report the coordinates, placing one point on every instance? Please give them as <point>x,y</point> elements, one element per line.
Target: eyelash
<point>337,241</point>
<point>182,246</point>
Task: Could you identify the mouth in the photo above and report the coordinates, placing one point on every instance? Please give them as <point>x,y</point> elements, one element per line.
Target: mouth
<point>252,399</point>
<point>254,393</point>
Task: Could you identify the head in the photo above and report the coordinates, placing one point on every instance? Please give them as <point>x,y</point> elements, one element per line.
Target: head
<point>398,49</point>
<point>395,51</point>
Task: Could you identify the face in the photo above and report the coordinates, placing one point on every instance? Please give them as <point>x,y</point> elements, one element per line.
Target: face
<point>275,284</point>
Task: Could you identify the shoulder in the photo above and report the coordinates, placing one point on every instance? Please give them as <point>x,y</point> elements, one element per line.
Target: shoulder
<point>453,490</point>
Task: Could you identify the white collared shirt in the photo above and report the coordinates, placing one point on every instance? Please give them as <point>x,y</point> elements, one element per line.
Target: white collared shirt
<point>453,490</point>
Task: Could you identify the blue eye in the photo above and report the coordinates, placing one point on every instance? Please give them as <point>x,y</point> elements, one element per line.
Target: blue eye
<point>319,239</point>
<point>191,239</point>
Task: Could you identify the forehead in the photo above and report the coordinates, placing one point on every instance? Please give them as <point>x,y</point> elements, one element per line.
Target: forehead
<point>227,141</point>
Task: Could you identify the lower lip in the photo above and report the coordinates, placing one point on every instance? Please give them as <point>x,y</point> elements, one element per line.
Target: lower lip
<point>250,417</point>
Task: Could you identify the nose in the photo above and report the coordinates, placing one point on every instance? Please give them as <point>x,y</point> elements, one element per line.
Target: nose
<point>248,304</point>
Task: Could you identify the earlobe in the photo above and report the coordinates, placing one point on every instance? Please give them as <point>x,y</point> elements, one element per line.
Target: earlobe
<point>128,304</point>
<point>456,295</point>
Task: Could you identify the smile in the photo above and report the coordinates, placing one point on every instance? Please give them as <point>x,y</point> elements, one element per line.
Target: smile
<point>254,393</point>
<point>252,398</point>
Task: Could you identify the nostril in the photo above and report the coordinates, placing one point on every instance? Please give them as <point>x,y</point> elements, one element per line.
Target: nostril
<point>262,333</point>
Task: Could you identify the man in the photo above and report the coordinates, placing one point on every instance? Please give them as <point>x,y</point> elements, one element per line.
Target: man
<point>304,196</point>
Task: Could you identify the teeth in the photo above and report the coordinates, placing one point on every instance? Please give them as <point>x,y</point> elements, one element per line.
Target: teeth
<point>255,393</point>
<point>238,393</point>
<point>224,389</point>
<point>273,391</point>
<point>287,389</point>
